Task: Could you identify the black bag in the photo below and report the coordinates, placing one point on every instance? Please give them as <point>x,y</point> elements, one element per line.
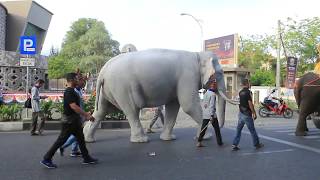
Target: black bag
<point>27,104</point>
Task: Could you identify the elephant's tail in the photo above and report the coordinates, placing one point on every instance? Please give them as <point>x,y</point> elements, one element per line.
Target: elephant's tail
<point>100,83</point>
<point>297,91</point>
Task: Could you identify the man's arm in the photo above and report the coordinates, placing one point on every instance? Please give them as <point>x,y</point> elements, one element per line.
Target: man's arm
<point>254,115</point>
<point>78,110</point>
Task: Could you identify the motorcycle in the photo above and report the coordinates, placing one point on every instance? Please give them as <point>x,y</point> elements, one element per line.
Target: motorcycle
<point>269,108</point>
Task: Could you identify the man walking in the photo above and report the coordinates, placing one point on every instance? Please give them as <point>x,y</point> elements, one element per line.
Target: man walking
<point>71,124</point>
<point>158,113</point>
<point>209,114</point>
<point>247,115</point>
<point>72,139</point>
<point>36,111</point>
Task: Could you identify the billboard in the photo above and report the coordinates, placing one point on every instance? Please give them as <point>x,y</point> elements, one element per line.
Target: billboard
<point>291,72</point>
<point>226,48</point>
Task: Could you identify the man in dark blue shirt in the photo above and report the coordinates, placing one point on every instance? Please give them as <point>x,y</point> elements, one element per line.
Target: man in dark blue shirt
<point>247,115</point>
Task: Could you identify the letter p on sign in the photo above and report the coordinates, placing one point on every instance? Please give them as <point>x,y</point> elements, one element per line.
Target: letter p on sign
<point>28,45</point>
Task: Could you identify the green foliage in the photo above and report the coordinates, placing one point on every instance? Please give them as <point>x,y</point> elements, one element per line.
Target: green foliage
<point>47,107</point>
<point>263,78</point>
<point>87,46</point>
<point>10,112</point>
<point>254,51</point>
<point>89,104</point>
<point>300,39</point>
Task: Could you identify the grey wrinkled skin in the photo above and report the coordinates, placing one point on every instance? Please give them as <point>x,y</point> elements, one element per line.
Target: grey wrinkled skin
<point>151,78</point>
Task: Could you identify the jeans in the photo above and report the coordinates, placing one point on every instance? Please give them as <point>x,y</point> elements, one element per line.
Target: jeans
<point>72,140</point>
<point>245,119</point>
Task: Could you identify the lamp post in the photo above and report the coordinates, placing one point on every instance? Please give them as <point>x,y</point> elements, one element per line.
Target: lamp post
<point>201,30</point>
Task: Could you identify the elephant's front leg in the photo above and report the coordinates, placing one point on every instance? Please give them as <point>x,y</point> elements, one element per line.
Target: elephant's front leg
<point>171,112</point>
<point>302,124</point>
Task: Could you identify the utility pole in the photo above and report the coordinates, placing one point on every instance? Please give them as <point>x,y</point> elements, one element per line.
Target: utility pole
<point>278,58</point>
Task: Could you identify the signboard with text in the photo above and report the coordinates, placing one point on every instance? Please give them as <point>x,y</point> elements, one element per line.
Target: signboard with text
<point>291,72</point>
<point>28,45</point>
<point>226,48</point>
<point>27,61</point>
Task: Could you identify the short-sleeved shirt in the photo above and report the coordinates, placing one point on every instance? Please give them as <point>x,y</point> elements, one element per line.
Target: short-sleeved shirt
<point>245,96</point>
<point>69,97</point>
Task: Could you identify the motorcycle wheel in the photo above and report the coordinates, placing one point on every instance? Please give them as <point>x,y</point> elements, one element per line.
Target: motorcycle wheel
<point>262,112</point>
<point>288,113</point>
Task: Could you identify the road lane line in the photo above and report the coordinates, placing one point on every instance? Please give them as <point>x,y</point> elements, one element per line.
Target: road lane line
<point>311,137</point>
<point>268,152</point>
<point>308,148</point>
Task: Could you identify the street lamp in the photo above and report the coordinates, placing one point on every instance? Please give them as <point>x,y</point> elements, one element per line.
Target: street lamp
<point>198,22</point>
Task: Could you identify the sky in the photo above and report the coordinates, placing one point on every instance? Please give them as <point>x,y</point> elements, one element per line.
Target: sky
<point>158,23</point>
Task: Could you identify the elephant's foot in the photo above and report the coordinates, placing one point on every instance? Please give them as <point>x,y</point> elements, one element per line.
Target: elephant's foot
<point>139,139</point>
<point>167,137</point>
<point>90,139</point>
<point>301,133</point>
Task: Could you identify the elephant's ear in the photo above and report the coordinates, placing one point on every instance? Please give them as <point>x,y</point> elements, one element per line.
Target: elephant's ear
<point>206,68</point>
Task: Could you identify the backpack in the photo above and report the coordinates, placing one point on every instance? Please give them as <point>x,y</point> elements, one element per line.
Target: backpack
<point>27,104</point>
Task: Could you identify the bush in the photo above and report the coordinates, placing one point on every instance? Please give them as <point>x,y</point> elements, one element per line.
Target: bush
<point>47,108</point>
<point>10,112</point>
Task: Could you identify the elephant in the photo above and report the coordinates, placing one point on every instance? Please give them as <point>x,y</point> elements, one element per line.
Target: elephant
<point>307,95</point>
<point>154,77</point>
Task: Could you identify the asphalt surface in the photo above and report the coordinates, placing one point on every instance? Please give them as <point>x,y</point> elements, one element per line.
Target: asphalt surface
<point>284,156</point>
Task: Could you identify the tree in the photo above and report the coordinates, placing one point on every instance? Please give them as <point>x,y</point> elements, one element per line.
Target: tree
<point>300,40</point>
<point>87,46</point>
<point>255,51</point>
<point>263,78</point>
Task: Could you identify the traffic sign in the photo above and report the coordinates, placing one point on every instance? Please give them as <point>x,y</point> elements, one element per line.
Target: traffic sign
<point>28,45</point>
<point>27,62</point>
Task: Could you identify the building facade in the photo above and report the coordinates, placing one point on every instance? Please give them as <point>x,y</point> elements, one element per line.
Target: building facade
<point>22,18</point>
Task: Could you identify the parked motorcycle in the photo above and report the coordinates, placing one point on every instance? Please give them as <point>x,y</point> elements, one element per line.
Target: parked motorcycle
<point>269,108</point>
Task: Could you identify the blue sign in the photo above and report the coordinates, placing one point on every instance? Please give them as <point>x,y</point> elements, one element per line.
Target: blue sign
<point>28,45</point>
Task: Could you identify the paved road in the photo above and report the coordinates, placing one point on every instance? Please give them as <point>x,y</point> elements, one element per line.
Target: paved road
<point>284,156</point>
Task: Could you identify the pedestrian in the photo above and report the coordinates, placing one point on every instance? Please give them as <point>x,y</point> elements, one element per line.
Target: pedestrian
<point>1,94</point>
<point>157,114</point>
<point>71,124</point>
<point>246,116</point>
<point>72,139</point>
<point>209,114</point>
<point>36,110</point>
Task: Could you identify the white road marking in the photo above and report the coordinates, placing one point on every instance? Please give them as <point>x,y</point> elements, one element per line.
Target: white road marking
<point>308,148</point>
<point>287,131</point>
<point>311,137</point>
<point>268,152</point>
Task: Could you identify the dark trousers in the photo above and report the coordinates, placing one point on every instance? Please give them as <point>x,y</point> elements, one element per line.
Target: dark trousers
<point>157,114</point>
<point>216,127</point>
<point>35,117</point>
<point>75,128</point>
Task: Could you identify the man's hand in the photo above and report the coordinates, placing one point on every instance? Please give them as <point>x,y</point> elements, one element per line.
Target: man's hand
<point>89,117</point>
<point>254,116</point>
<point>205,105</point>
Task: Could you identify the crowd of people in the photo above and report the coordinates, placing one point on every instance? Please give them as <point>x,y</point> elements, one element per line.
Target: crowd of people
<point>74,116</point>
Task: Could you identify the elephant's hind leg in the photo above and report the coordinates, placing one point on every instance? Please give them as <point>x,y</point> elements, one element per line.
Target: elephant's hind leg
<point>171,113</point>
<point>137,133</point>
<point>90,128</point>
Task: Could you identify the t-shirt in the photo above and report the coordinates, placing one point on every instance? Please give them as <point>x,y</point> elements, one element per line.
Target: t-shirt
<point>245,96</point>
<point>69,97</point>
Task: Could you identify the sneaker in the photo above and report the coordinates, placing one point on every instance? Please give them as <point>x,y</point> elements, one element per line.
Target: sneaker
<point>34,134</point>
<point>258,146</point>
<point>48,164</point>
<point>61,150</point>
<point>149,130</point>
<point>76,154</point>
<point>90,160</point>
<point>199,144</point>
<point>235,148</point>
